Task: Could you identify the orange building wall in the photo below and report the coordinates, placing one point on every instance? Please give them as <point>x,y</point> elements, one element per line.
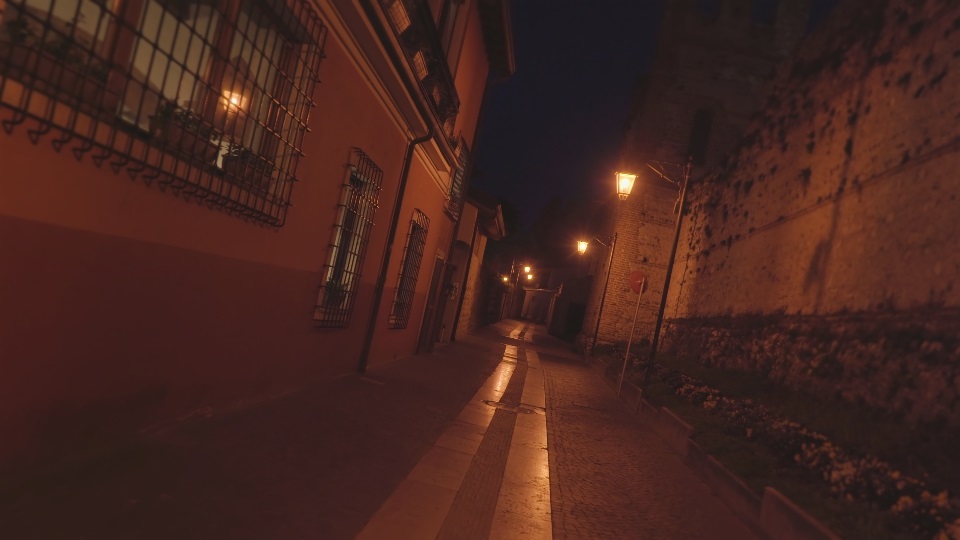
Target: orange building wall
<point>124,306</point>
<point>424,194</point>
<point>470,77</point>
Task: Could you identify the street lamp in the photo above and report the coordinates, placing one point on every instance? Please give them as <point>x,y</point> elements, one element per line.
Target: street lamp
<point>624,187</point>
<point>659,167</point>
<point>582,248</point>
<point>514,267</point>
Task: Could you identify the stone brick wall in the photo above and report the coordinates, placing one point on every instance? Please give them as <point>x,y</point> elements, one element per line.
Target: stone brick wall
<point>646,226</point>
<point>826,252</point>
<point>718,63</point>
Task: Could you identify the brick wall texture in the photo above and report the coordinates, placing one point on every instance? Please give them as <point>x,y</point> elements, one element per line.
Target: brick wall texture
<point>720,64</point>
<point>825,252</point>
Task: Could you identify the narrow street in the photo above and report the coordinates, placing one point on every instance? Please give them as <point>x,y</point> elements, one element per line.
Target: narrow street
<point>503,434</point>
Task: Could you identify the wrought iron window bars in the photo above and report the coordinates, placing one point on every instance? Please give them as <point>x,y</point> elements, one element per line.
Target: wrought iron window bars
<point>454,204</point>
<point>409,270</point>
<point>208,99</point>
<point>348,246</point>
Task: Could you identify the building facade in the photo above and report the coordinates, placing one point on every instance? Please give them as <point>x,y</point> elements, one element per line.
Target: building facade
<point>481,223</point>
<point>825,255</point>
<point>204,204</point>
<point>709,75</point>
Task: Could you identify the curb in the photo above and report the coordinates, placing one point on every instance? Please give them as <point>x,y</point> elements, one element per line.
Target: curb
<point>771,516</point>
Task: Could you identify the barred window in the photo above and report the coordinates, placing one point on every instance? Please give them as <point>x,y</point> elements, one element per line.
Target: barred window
<point>341,274</point>
<point>458,180</point>
<point>409,270</point>
<point>209,99</point>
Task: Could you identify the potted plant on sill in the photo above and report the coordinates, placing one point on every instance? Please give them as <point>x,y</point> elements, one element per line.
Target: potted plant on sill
<point>246,165</point>
<point>183,131</point>
<point>334,293</point>
<point>63,65</point>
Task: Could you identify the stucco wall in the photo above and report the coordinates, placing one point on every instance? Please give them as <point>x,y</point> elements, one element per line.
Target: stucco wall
<point>125,306</point>
<point>472,314</point>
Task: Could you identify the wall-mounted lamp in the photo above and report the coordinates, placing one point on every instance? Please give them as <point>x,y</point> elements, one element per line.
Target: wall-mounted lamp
<point>581,249</point>
<point>659,167</point>
<point>625,184</point>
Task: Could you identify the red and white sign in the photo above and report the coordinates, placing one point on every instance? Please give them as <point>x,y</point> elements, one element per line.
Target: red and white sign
<point>638,281</point>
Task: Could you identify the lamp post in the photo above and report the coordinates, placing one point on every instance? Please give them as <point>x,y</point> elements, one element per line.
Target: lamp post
<point>624,187</point>
<point>582,248</point>
<point>516,284</point>
<point>659,167</point>
<point>526,270</point>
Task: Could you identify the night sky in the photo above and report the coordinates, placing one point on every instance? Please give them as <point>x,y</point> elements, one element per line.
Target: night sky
<point>555,127</point>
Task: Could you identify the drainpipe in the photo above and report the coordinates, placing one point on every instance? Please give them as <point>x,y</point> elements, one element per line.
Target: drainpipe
<point>414,89</point>
<point>388,249</point>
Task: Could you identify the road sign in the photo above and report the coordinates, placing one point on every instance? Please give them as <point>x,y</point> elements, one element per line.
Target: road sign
<point>637,280</point>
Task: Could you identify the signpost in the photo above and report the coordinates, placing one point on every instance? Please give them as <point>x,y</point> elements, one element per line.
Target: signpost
<point>638,284</point>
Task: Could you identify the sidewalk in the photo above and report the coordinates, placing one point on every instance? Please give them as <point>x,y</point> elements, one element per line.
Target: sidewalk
<point>504,434</point>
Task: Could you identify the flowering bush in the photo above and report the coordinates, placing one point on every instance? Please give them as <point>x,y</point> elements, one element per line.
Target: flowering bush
<point>851,476</point>
<point>906,363</point>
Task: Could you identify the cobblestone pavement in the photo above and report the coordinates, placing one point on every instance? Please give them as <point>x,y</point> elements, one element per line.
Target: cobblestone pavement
<point>612,478</point>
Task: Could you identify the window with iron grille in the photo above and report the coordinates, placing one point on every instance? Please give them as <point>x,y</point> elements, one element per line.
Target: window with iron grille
<point>207,99</point>
<point>351,232</point>
<point>413,22</point>
<point>458,180</point>
<point>409,270</point>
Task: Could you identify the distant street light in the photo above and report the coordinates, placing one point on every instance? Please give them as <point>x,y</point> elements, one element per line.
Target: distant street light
<point>582,248</point>
<point>514,267</point>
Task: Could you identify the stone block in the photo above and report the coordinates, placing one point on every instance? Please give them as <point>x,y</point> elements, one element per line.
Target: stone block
<point>673,430</point>
<point>780,518</point>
